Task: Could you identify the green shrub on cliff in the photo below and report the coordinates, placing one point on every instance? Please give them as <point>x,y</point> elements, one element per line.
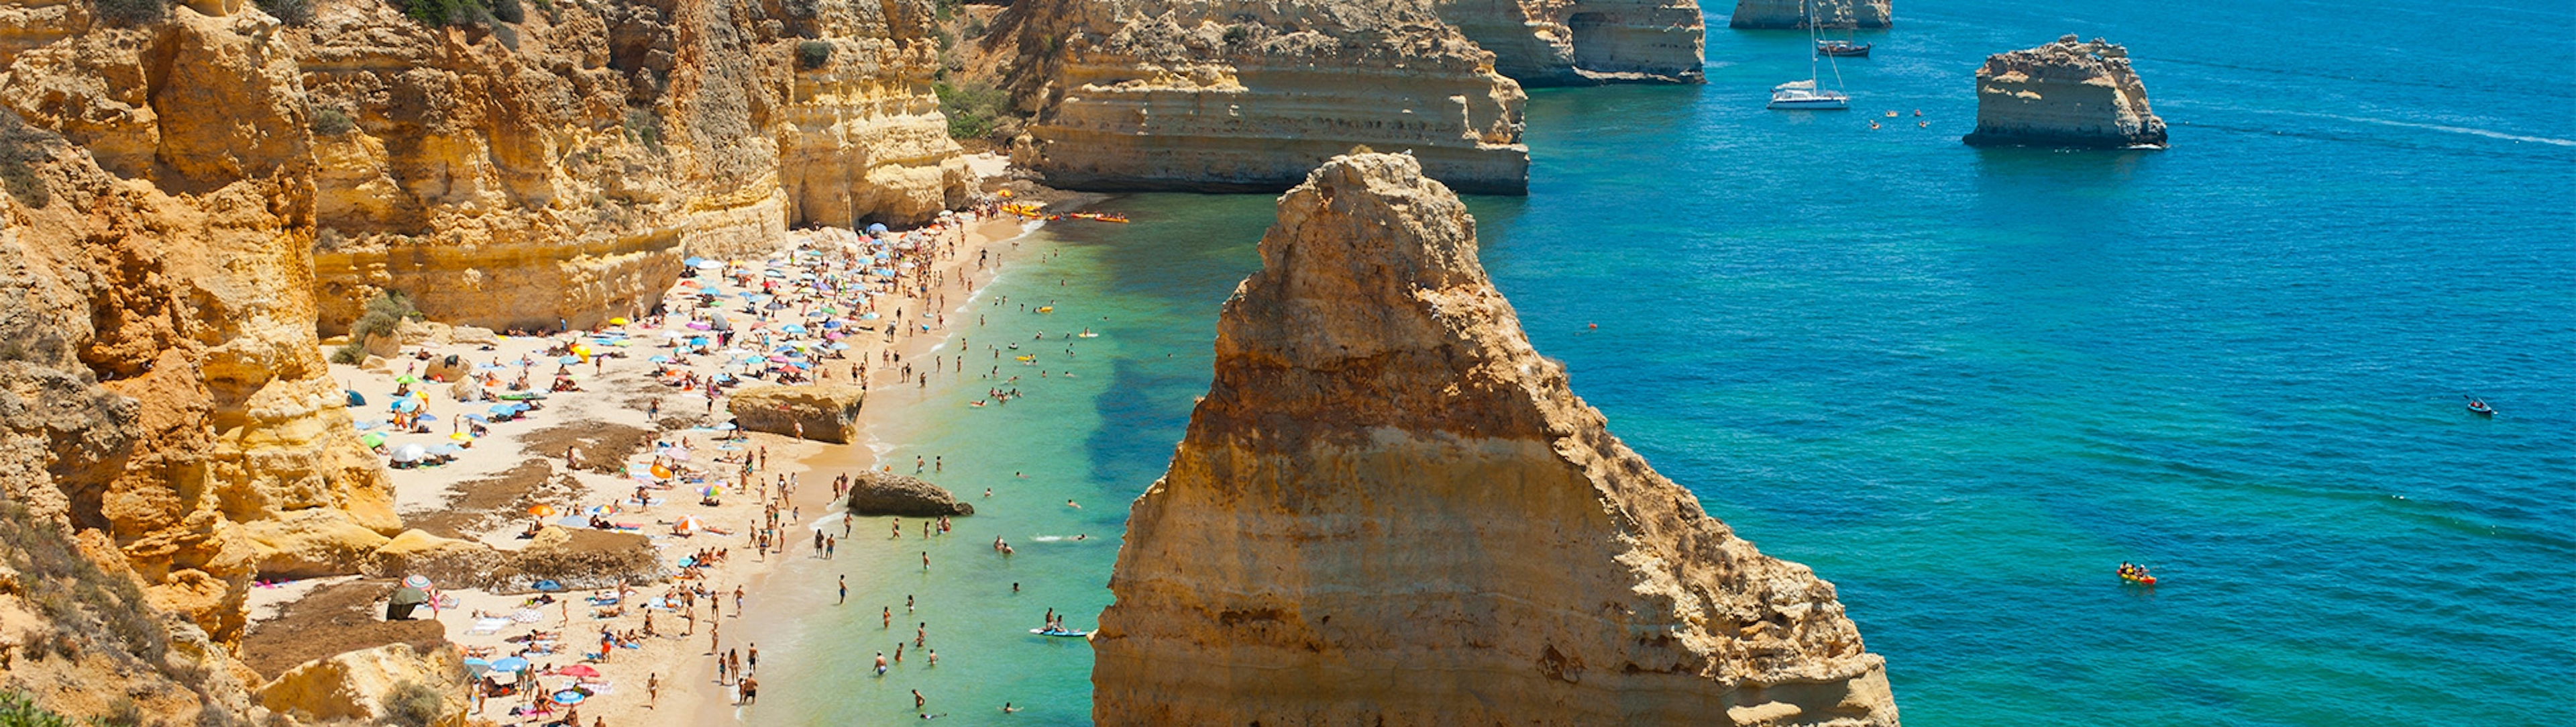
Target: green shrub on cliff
<point>974,110</point>
<point>290,12</point>
<point>813,54</point>
<point>129,13</point>
<point>328,121</point>
<point>17,709</point>
<point>383,317</point>
<point>412,704</point>
<point>86,604</point>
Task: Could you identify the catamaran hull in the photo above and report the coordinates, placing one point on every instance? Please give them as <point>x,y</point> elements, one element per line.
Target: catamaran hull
<point>1810,104</point>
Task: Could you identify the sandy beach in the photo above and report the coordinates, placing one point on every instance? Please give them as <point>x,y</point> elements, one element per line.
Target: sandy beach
<point>582,454</point>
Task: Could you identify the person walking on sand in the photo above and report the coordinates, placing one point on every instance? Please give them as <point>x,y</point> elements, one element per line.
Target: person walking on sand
<point>845,590</point>
<point>652,689</point>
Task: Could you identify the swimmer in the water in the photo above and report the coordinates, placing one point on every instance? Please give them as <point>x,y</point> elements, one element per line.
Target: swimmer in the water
<point>1072,504</point>
<point>1008,709</point>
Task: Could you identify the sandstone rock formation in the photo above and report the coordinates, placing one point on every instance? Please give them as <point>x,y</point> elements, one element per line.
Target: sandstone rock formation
<point>353,686</point>
<point>878,493</point>
<point>1561,43</point>
<point>1235,95</point>
<point>561,167</point>
<point>1390,510</point>
<point>457,563</point>
<point>1759,14</point>
<point>576,560</point>
<point>2068,94</point>
<point>820,412</point>
<point>160,383</point>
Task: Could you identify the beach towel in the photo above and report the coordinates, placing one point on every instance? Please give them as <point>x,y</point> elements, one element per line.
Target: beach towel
<point>488,626</point>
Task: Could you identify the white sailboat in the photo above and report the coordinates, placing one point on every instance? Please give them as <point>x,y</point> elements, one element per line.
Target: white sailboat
<point>1804,95</point>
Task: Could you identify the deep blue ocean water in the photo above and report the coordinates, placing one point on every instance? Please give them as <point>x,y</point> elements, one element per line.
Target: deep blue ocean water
<point>1961,384</point>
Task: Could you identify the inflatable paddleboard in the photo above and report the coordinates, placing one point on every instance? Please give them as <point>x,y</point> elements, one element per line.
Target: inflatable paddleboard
<point>1060,634</point>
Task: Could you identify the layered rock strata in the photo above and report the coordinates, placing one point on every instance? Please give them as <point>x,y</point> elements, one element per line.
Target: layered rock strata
<point>1236,95</point>
<point>1390,510</point>
<point>823,413</point>
<point>557,170</point>
<point>2069,94</point>
<point>1793,14</point>
<point>1561,43</point>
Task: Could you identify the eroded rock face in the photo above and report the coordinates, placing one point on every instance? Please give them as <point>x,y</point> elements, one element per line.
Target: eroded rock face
<point>560,168</point>
<point>1759,14</point>
<point>1234,95</point>
<point>1563,43</point>
<point>163,387</point>
<point>822,412</point>
<point>353,686</point>
<point>2068,93</point>
<point>880,493</point>
<point>1389,509</point>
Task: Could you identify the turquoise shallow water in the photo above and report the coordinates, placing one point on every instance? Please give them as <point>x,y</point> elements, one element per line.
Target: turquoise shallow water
<point>1961,384</point>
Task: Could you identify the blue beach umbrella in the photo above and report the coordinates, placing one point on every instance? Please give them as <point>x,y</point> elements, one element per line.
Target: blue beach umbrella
<point>568,360</point>
<point>793,328</point>
<point>659,359</point>
<point>876,227</point>
<point>692,261</point>
<point>406,404</point>
<point>502,410</point>
<point>509,663</point>
<point>429,417</point>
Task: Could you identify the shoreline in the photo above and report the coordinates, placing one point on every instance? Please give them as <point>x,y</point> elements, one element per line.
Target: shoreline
<point>770,616</point>
<point>480,496</point>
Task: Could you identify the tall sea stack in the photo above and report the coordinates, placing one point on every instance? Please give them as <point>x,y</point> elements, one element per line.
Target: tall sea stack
<point>1390,510</point>
<point>2066,94</point>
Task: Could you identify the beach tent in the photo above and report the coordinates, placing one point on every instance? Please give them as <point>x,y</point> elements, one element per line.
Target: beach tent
<point>409,453</point>
<point>405,599</point>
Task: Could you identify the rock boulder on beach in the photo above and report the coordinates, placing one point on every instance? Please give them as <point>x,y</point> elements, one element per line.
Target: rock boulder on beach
<point>1390,510</point>
<point>2064,94</point>
<point>828,412</point>
<point>880,493</point>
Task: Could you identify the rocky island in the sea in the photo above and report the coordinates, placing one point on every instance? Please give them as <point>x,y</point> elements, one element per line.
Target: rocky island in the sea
<point>1585,43</point>
<point>1391,510</point>
<point>1239,96</point>
<point>2069,93</point>
<point>1791,14</point>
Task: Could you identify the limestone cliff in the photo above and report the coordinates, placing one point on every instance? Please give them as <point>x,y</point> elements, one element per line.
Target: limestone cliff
<point>2067,93</point>
<point>160,383</point>
<point>1758,14</point>
<point>1390,510</point>
<point>561,167</point>
<point>1235,95</point>
<point>1566,43</point>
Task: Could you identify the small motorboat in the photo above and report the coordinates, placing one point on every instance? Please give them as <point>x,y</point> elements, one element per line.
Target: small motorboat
<point>1843,48</point>
<point>2479,407</point>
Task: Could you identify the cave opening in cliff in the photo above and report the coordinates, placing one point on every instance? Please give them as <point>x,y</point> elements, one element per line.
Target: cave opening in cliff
<point>1594,42</point>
